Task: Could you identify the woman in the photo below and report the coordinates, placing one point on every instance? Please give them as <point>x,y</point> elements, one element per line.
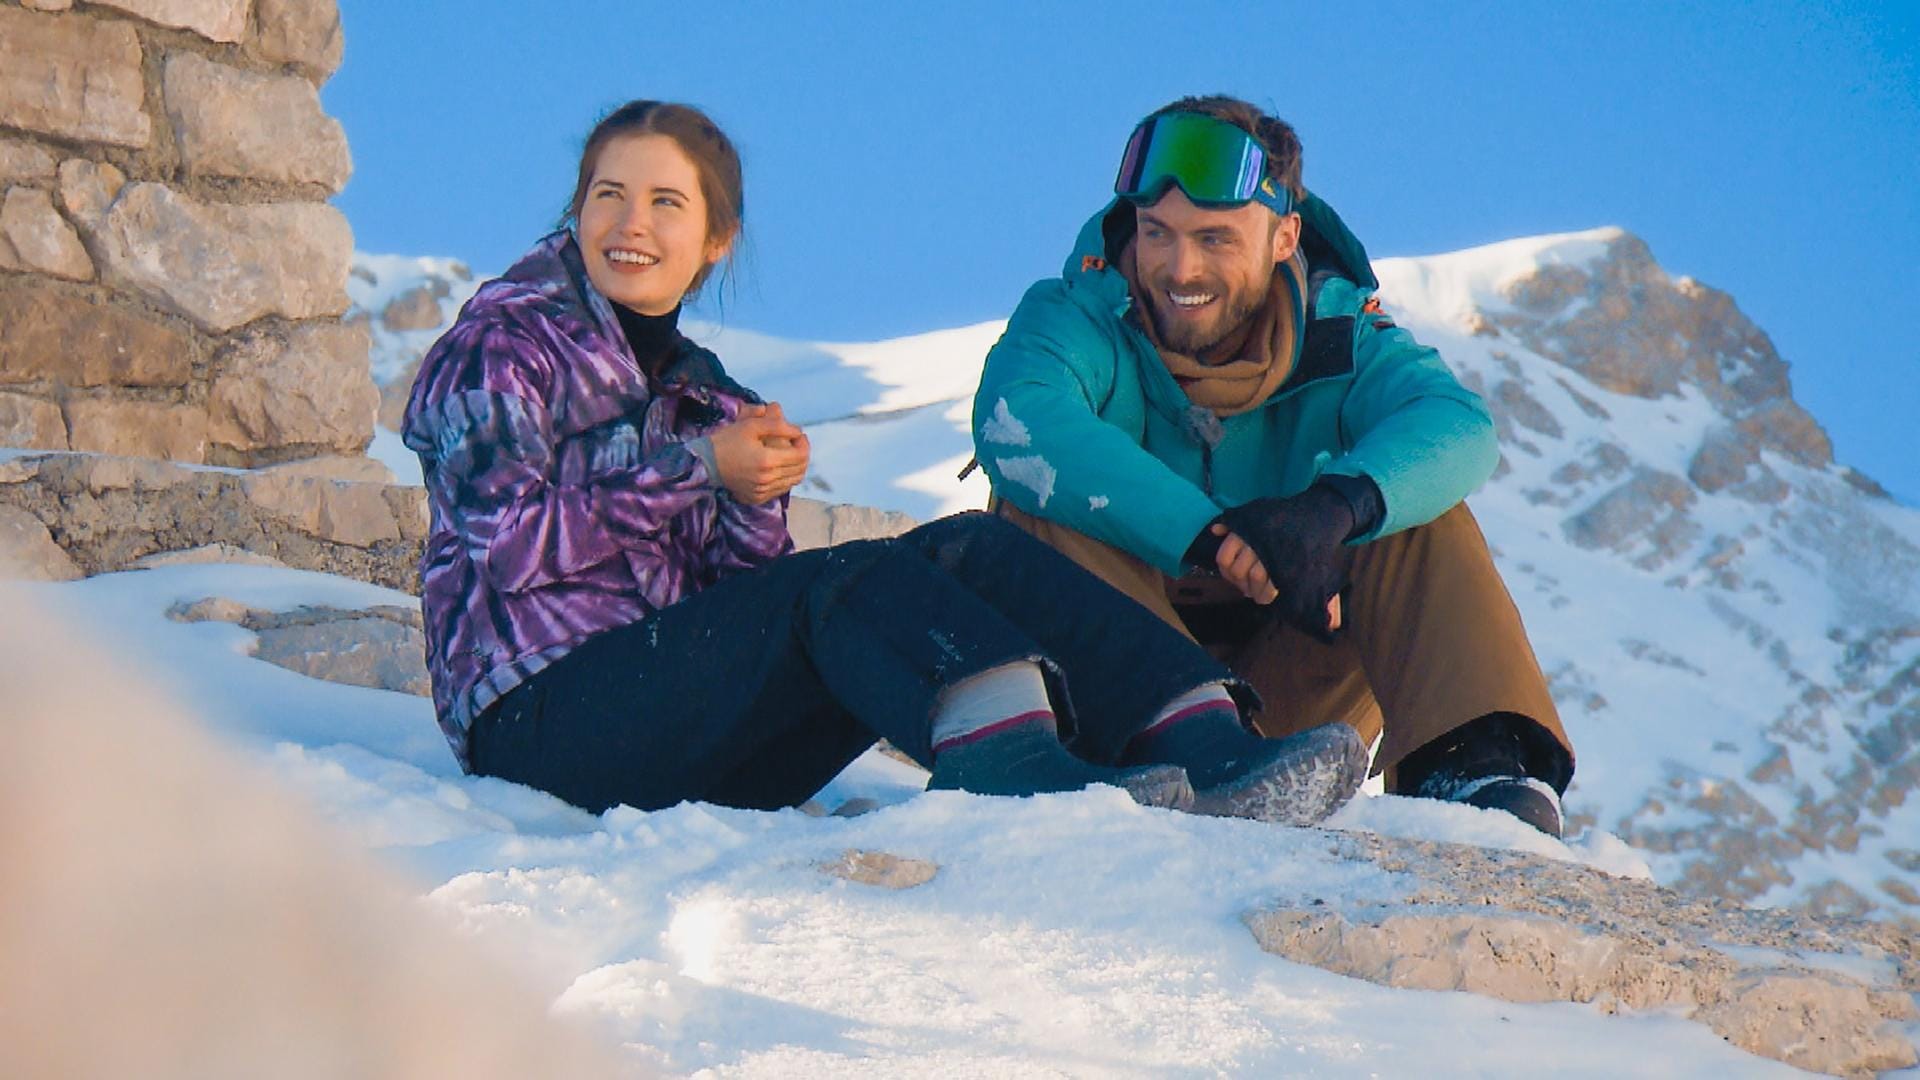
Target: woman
<point>614,616</point>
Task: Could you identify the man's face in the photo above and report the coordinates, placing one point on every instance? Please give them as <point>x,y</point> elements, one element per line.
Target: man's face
<point>1205,272</point>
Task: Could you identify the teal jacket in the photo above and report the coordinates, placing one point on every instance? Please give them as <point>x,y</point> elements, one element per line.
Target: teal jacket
<point>1078,420</point>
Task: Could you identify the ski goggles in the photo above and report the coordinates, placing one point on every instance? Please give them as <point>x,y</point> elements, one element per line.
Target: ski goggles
<point>1214,162</point>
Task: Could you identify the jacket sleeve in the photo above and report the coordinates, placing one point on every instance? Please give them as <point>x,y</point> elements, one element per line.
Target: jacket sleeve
<point>1425,440</point>
<point>746,536</point>
<point>1038,433</point>
<point>487,438</point>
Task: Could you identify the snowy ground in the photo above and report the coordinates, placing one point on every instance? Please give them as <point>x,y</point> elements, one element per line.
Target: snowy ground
<point>1067,935</point>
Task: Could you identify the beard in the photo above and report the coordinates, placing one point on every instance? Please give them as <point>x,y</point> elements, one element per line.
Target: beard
<point>1193,337</point>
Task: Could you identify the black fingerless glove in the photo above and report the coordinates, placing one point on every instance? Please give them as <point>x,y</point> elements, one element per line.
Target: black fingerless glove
<point>1298,540</point>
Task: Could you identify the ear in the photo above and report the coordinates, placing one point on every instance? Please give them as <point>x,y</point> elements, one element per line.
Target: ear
<point>717,249</point>
<point>1286,238</point>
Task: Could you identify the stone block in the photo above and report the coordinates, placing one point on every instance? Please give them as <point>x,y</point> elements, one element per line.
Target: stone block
<point>81,342</point>
<point>31,423</point>
<point>303,32</point>
<point>48,5</point>
<point>138,429</point>
<point>88,188</point>
<point>215,20</point>
<point>352,514</point>
<point>231,122</point>
<point>74,77</point>
<point>225,265</point>
<point>23,162</point>
<point>33,236</point>
<point>307,386</point>
<point>27,550</point>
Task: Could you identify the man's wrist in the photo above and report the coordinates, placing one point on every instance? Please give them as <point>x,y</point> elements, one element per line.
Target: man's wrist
<point>1204,552</point>
<point>1363,500</point>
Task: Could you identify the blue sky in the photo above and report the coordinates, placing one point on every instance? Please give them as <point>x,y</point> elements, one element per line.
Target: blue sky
<point>912,167</point>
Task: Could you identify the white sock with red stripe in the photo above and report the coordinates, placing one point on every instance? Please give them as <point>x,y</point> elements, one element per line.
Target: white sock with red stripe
<point>993,701</point>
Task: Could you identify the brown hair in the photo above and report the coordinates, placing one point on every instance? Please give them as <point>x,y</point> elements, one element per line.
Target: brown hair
<point>712,153</point>
<point>1274,134</point>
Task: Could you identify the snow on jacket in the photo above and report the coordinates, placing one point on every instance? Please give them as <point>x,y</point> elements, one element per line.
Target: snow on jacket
<point>1078,420</point>
<point>565,500</point>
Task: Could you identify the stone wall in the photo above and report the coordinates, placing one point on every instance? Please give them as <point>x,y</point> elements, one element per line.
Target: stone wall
<point>171,275</point>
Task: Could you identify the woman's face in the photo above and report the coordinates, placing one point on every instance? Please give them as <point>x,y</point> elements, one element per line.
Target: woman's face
<point>643,226</point>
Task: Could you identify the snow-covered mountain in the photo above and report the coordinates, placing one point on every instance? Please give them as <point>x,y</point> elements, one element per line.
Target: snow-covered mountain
<point>1731,619</point>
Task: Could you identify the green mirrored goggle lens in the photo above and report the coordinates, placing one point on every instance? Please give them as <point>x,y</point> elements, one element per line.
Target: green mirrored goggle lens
<point>1214,162</point>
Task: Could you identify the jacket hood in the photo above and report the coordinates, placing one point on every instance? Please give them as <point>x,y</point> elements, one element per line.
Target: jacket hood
<point>1326,240</point>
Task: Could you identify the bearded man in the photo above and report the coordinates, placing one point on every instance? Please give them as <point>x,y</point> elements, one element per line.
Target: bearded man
<point>1210,410</point>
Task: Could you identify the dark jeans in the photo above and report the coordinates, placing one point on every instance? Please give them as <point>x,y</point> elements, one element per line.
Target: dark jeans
<point>757,691</point>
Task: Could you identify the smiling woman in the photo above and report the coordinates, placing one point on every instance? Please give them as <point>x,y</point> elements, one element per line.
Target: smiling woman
<point>614,611</point>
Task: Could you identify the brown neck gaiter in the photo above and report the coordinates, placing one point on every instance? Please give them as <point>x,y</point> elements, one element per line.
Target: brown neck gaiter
<point>1244,368</point>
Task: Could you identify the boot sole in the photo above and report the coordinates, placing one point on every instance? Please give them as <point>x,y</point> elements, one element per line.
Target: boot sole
<point>1162,786</point>
<point>1314,775</point>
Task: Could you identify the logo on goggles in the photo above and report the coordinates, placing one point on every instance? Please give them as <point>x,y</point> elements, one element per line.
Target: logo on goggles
<point>1214,162</point>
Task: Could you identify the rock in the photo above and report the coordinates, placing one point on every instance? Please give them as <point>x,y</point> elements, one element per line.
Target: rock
<point>304,386</point>
<point>231,122</point>
<point>1722,460</point>
<point>816,524</point>
<point>30,423</point>
<point>352,514</point>
<point>347,467</point>
<point>72,77</point>
<point>137,429</point>
<point>48,5</point>
<point>394,395</point>
<point>216,20</point>
<point>1784,426</point>
<point>27,550</point>
<point>76,341</point>
<point>88,188</point>
<point>25,162</point>
<point>352,649</point>
<point>415,309</point>
<point>1520,928</point>
<point>212,609</point>
<point>383,648</point>
<point>202,555</point>
<point>881,869</point>
<point>34,237</point>
<point>302,32</point>
<point>1650,505</point>
<point>225,265</point>
<point>102,474</point>
<point>110,512</point>
<point>1511,399</point>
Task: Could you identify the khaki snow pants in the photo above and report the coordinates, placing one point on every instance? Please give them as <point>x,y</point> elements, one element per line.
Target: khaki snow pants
<point>1430,638</point>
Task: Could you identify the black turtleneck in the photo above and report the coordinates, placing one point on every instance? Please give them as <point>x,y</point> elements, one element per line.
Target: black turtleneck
<point>652,337</point>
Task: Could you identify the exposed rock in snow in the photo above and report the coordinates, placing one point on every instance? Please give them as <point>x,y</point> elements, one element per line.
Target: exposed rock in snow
<point>1827,996</point>
<point>878,868</point>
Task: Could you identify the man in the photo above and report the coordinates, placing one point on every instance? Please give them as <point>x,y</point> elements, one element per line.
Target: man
<point>1210,411</point>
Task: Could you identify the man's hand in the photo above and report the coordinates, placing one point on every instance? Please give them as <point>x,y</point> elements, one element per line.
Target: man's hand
<point>1286,552</point>
<point>760,456</point>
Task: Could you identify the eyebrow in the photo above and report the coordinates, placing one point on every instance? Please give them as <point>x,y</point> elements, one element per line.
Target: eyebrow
<point>1207,230</point>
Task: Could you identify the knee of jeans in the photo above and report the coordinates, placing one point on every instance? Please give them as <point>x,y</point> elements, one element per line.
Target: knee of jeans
<point>950,539</point>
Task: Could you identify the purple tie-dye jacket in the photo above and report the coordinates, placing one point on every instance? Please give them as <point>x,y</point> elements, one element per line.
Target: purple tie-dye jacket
<point>565,499</point>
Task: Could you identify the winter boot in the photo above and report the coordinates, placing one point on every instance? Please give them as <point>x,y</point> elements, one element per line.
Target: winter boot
<point>1500,761</point>
<point>1296,780</point>
<point>1024,757</point>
